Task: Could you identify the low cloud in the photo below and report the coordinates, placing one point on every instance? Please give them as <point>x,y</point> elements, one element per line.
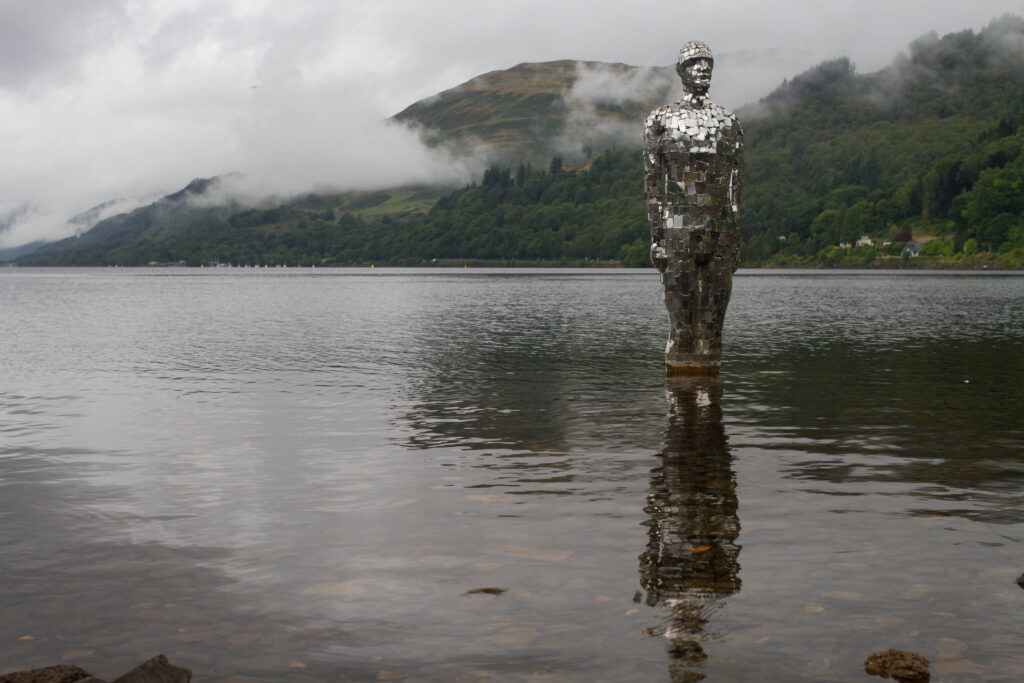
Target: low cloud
<point>44,39</point>
<point>280,149</point>
<point>139,134</point>
<point>607,104</point>
<point>600,84</point>
<point>293,137</point>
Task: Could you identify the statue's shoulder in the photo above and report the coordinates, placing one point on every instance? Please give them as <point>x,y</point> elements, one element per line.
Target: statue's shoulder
<point>656,119</point>
<point>726,118</point>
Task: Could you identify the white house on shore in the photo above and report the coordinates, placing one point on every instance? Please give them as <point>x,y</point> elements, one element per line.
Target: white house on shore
<point>913,248</point>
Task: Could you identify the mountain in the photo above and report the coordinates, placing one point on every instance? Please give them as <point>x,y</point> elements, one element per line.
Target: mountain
<point>184,211</point>
<point>198,225</point>
<point>529,113</point>
<point>929,146</point>
<point>534,111</point>
<point>9,254</point>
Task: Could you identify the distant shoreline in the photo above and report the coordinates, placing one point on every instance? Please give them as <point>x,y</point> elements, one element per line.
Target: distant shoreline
<point>933,265</point>
<point>584,265</point>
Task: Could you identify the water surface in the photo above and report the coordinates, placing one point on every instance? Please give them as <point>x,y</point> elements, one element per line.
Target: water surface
<point>303,474</point>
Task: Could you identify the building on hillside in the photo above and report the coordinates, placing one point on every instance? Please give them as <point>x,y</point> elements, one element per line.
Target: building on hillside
<point>865,241</point>
<point>913,248</point>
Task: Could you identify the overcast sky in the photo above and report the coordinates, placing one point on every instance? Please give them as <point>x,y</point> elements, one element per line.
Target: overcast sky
<point>105,99</point>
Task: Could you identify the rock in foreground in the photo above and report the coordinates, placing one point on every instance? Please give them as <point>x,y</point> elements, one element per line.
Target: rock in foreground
<point>155,670</point>
<point>61,673</point>
<point>903,666</point>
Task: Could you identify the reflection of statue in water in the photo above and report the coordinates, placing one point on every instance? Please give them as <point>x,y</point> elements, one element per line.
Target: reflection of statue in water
<point>693,162</point>
<point>691,561</point>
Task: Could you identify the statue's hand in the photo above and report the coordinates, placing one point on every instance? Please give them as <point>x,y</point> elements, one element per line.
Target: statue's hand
<point>659,258</point>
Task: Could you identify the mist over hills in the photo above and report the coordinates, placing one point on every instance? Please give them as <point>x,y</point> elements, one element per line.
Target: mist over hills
<point>929,145</point>
<point>168,215</point>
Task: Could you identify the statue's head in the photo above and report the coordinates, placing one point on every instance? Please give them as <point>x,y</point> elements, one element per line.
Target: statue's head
<point>694,67</point>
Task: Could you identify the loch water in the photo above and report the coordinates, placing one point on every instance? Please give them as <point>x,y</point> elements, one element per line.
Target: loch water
<point>404,474</point>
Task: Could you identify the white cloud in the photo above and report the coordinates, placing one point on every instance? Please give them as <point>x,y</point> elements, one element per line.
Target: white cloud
<point>41,40</point>
<point>606,84</point>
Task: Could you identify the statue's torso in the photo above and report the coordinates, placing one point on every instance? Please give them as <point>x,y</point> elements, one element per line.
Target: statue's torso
<point>696,149</point>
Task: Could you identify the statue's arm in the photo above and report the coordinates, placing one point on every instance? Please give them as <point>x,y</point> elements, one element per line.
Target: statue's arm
<point>654,189</point>
<point>736,179</point>
<point>736,192</point>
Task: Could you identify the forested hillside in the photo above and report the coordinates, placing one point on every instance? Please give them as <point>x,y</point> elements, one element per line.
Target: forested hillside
<point>550,215</point>
<point>930,147</point>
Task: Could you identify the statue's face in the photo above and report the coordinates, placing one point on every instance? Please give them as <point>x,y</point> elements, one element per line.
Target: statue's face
<point>696,75</point>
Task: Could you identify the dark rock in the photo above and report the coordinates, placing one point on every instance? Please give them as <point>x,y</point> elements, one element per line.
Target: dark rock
<point>61,673</point>
<point>156,670</point>
<point>489,590</point>
<point>1020,580</point>
<point>903,666</point>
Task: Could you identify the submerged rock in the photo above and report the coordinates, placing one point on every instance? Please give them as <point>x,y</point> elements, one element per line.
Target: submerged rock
<point>61,673</point>
<point>155,670</point>
<point>903,666</point>
<point>1020,580</point>
<point>488,590</point>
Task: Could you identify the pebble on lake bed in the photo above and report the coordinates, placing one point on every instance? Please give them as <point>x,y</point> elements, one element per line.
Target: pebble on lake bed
<point>901,665</point>
<point>489,590</point>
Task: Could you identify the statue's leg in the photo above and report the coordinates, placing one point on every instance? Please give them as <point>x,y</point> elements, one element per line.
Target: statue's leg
<point>675,282</point>
<point>716,289</point>
<point>686,290</point>
<point>695,347</point>
<point>675,285</point>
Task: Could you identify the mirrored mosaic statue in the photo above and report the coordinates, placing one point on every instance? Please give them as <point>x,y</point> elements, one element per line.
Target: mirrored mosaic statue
<point>693,164</point>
